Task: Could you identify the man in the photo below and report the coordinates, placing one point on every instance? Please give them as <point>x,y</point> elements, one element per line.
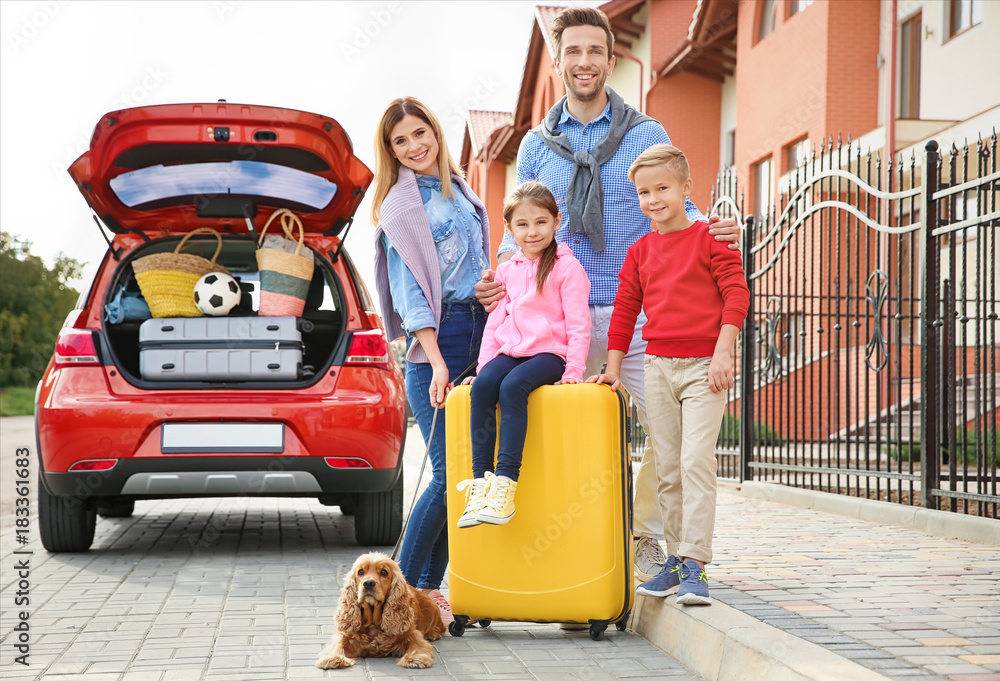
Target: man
<point>601,214</point>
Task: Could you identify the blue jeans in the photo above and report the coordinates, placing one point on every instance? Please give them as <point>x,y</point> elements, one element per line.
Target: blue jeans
<point>507,381</point>
<point>423,557</point>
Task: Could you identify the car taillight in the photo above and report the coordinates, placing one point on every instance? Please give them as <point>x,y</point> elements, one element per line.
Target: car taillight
<point>346,462</point>
<point>94,465</point>
<point>75,347</point>
<point>369,348</point>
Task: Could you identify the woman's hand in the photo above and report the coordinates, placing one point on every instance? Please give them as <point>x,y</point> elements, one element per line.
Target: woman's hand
<point>440,377</point>
<point>469,380</point>
<point>440,386</point>
<point>567,381</point>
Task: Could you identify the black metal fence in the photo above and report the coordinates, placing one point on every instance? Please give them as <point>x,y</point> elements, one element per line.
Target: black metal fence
<point>869,358</point>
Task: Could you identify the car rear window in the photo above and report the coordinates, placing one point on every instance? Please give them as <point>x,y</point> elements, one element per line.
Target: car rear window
<point>161,185</point>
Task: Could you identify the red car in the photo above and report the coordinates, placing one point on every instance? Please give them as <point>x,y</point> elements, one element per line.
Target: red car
<point>107,436</point>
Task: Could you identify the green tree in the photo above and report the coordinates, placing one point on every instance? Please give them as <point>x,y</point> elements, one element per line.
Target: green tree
<point>34,301</point>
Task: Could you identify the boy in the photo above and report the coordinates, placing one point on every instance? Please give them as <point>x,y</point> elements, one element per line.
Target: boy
<point>695,296</point>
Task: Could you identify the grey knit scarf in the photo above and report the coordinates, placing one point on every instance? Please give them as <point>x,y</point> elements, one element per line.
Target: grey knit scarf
<point>585,192</point>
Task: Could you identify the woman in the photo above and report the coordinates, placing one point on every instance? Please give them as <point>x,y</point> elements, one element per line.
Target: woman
<point>431,241</point>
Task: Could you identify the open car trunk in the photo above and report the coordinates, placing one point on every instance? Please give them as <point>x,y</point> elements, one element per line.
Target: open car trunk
<point>321,324</point>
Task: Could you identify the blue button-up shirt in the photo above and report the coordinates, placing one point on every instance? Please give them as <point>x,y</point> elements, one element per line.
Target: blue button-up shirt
<point>458,236</point>
<point>624,221</point>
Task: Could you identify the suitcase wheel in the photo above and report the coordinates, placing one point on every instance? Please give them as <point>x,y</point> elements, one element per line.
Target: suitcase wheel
<point>457,628</point>
<point>485,623</point>
<point>621,624</point>
<point>597,630</point>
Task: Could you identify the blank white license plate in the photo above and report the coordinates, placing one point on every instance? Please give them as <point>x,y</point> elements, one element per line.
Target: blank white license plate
<point>222,438</point>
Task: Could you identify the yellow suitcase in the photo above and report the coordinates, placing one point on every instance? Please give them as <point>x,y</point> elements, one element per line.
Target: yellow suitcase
<point>566,556</point>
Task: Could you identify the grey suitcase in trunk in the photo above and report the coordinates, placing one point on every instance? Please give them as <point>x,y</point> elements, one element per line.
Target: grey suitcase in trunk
<point>221,349</point>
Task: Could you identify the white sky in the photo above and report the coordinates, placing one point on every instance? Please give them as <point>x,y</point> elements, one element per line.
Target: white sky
<point>64,64</point>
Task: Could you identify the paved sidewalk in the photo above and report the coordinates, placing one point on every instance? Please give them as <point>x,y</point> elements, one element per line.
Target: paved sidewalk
<point>246,589</point>
<point>236,589</point>
<point>903,603</point>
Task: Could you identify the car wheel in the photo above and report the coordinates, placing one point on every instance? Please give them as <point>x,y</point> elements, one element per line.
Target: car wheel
<point>116,508</point>
<point>378,518</point>
<point>67,523</point>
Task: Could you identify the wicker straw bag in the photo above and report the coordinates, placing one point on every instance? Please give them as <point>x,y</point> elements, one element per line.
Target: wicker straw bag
<point>284,276</point>
<point>167,279</point>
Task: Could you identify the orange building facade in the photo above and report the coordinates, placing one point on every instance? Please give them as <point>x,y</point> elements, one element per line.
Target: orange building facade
<point>754,88</point>
<point>792,72</point>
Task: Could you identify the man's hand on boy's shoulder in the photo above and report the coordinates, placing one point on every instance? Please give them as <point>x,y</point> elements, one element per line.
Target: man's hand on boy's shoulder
<point>725,229</point>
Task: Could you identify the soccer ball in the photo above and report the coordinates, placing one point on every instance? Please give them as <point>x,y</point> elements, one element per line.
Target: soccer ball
<point>217,294</point>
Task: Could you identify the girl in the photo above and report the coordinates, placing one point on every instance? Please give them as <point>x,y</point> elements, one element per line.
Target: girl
<point>431,241</point>
<point>538,334</point>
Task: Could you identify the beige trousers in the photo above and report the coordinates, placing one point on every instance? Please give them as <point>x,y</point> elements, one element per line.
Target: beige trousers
<point>684,419</point>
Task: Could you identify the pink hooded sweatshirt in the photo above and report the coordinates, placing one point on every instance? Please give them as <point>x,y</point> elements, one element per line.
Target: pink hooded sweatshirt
<point>525,323</point>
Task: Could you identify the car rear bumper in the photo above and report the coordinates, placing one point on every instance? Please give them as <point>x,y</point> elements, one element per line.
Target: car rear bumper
<point>78,418</point>
<point>168,477</point>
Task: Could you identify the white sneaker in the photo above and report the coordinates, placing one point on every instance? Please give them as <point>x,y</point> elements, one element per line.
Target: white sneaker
<point>649,558</point>
<point>475,494</point>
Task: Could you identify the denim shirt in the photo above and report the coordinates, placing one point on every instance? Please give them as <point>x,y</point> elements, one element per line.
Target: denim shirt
<point>458,237</point>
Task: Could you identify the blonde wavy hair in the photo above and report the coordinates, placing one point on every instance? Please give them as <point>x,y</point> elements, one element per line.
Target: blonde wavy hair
<point>386,163</point>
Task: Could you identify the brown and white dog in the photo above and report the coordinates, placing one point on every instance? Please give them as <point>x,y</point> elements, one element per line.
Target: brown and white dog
<point>380,615</point>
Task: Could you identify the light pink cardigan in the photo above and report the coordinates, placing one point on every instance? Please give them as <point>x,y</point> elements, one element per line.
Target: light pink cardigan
<point>404,222</point>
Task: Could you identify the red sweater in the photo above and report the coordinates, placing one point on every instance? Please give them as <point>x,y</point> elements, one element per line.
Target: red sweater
<point>689,285</point>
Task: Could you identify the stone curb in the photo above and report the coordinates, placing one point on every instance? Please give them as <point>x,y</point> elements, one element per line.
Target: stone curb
<point>720,643</point>
<point>930,521</point>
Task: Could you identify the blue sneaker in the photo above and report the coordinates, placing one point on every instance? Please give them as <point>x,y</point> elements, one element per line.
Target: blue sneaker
<point>694,585</point>
<point>664,583</point>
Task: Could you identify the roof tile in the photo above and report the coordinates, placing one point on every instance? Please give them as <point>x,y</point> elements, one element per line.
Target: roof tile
<point>482,125</point>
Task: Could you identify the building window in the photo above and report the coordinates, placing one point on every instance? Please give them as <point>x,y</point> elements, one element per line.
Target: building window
<point>763,175</point>
<point>799,5</point>
<point>797,153</point>
<point>965,14</point>
<point>729,149</point>
<point>768,18</point>
<point>796,158</point>
<point>909,68</point>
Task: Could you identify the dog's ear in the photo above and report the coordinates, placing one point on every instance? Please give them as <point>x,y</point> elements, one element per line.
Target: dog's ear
<point>397,613</point>
<point>348,610</point>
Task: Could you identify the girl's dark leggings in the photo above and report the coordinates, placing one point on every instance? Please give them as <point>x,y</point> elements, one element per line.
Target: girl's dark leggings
<point>507,382</point>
